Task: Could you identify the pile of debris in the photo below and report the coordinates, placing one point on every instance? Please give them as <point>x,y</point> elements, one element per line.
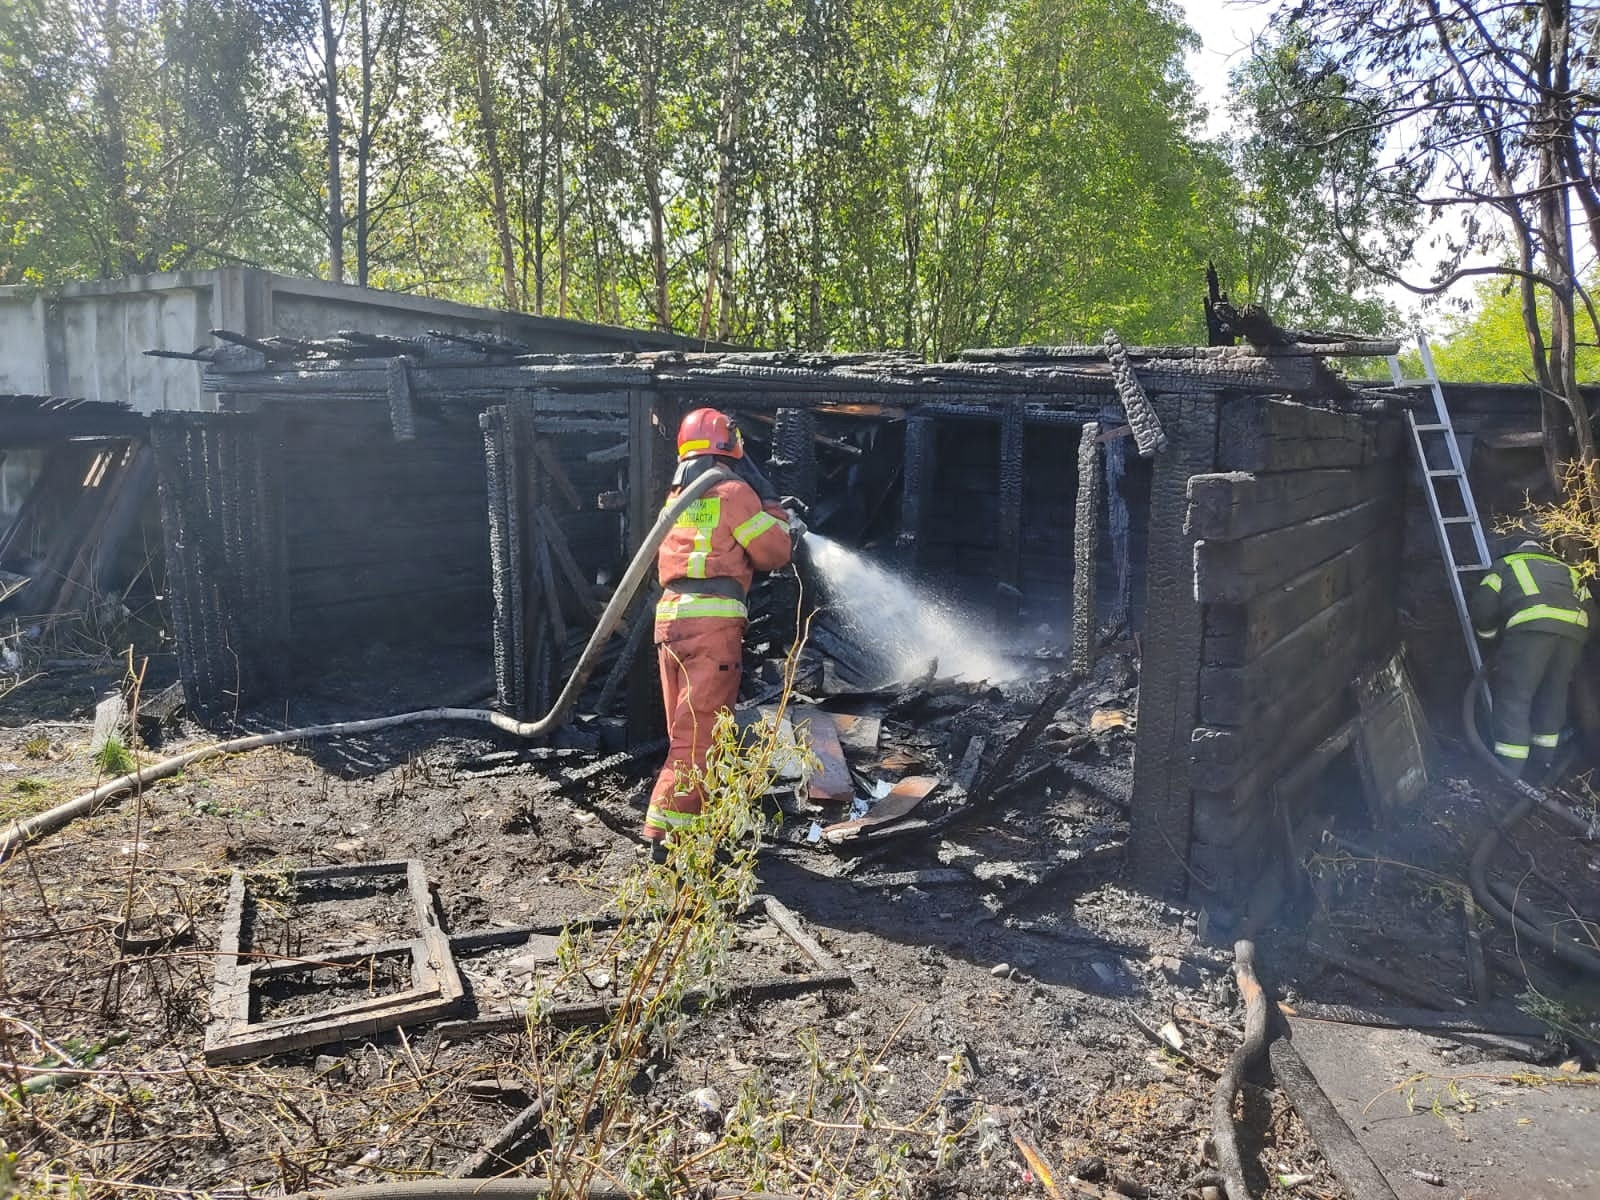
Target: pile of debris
<point>75,539</point>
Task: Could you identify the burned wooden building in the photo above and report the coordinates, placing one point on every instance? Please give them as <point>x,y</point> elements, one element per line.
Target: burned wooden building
<point>373,505</point>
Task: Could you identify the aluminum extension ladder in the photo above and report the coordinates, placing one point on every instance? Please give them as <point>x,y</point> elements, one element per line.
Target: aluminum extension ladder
<point>1450,502</point>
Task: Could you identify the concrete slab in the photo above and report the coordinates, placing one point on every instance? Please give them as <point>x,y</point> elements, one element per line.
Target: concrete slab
<point>1483,1128</point>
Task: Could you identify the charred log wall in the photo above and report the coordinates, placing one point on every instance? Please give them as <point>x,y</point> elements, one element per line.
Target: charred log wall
<point>1297,546</point>
<point>385,539</point>
<point>221,519</point>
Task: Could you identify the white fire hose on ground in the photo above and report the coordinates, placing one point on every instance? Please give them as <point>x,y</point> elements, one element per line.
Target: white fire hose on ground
<point>21,832</point>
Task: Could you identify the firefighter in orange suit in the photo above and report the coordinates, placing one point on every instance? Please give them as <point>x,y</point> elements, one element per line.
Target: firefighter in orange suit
<point>706,566</point>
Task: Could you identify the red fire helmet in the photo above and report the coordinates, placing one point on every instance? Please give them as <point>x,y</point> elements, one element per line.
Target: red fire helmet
<point>707,431</point>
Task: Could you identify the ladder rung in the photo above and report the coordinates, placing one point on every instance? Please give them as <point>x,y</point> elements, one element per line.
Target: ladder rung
<point>1463,568</point>
<point>1431,427</point>
<point>1449,473</point>
<point>1458,520</point>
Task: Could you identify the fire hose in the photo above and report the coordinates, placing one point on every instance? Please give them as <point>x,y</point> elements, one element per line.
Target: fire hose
<point>1529,798</point>
<point>506,1189</point>
<point>21,832</point>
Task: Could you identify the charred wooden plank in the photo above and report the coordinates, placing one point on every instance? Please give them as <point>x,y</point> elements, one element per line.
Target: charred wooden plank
<point>1341,632</point>
<point>1085,549</point>
<point>1276,435</point>
<point>1235,572</point>
<point>1237,633</point>
<point>1237,504</point>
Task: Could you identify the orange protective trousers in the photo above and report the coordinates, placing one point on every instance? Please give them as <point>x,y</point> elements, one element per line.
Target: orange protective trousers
<point>700,659</point>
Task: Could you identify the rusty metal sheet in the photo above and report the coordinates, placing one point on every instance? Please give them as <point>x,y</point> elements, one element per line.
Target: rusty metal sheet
<point>831,779</point>
<point>901,800</point>
<point>858,732</point>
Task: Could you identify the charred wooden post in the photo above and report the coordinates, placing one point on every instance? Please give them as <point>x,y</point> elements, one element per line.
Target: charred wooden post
<point>652,427</point>
<point>917,481</point>
<point>401,415</point>
<point>1085,549</point>
<point>1147,432</point>
<point>1168,676</point>
<point>794,453</point>
<point>504,559</point>
<point>1009,547</point>
<point>1119,525</point>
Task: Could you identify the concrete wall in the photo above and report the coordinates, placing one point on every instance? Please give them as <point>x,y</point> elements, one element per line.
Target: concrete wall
<point>88,339</point>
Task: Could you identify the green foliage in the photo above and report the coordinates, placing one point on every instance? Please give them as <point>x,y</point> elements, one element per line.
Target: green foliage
<point>1488,342</point>
<point>1308,160</point>
<point>134,137</point>
<point>28,786</point>
<point>922,173</point>
<point>114,758</point>
<point>667,957</point>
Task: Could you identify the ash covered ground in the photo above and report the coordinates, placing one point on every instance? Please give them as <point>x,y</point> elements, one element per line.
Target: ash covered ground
<point>991,929</point>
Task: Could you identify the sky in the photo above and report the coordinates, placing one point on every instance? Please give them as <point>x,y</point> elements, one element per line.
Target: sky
<point>1227,27</point>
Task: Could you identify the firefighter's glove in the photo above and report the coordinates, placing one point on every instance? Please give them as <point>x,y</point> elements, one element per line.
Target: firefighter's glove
<point>797,530</point>
<point>795,505</point>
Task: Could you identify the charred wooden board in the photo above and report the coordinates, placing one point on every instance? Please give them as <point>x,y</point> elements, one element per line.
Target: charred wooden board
<point>436,989</point>
<point>831,780</point>
<point>1237,633</point>
<point>1340,637</point>
<point>1234,572</point>
<point>1273,435</point>
<point>1235,504</point>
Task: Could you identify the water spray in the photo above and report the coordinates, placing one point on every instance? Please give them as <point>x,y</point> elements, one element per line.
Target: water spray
<point>902,624</point>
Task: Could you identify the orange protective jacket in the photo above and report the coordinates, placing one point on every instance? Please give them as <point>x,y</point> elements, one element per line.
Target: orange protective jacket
<point>712,553</point>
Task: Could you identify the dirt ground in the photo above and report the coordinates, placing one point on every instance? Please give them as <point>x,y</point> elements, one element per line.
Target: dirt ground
<point>1037,975</point>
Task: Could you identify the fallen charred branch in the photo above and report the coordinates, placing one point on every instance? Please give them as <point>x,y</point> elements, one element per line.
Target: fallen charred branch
<point>1498,1022</point>
<point>491,1157</point>
<point>1257,1027</point>
<point>1380,977</point>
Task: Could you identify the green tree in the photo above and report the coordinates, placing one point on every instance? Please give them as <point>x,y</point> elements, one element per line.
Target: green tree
<point>1489,342</point>
<point>1307,157</point>
<point>137,137</point>
<point>1486,116</point>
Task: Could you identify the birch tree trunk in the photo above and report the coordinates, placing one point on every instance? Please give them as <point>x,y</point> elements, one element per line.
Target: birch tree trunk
<point>364,147</point>
<point>719,252</point>
<point>649,135</point>
<point>334,134</point>
<point>487,108</point>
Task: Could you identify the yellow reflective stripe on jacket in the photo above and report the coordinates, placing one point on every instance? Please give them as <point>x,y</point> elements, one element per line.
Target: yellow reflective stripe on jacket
<point>1491,581</point>
<point>703,516</point>
<point>1547,741</point>
<point>669,819</point>
<point>1519,568</point>
<point>1509,750</point>
<point>1549,612</point>
<point>675,604</point>
<point>750,530</point>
